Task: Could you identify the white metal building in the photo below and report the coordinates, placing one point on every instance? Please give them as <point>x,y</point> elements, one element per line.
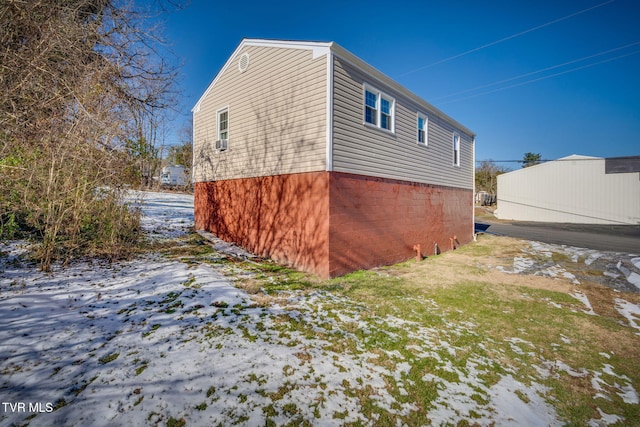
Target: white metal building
<point>574,189</point>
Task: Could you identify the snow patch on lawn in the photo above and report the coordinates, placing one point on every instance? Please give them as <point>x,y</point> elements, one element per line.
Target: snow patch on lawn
<point>582,297</point>
<point>141,342</point>
<point>519,405</point>
<point>164,215</point>
<point>629,311</point>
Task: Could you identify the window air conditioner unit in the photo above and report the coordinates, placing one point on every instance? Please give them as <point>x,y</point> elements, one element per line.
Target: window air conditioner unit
<point>222,144</point>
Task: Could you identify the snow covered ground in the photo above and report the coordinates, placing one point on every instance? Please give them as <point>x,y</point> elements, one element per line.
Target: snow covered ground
<point>155,340</point>
<point>621,271</point>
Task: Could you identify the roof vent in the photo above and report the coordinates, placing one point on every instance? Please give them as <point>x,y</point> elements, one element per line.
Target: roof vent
<point>243,62</point>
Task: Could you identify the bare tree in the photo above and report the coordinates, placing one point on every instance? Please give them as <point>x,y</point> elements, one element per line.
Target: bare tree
<point>182,153</point>
<point>78,79</point>
<point>487,176</point>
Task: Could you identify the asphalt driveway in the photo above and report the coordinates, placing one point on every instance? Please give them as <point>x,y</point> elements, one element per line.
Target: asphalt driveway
<point>615,238</point>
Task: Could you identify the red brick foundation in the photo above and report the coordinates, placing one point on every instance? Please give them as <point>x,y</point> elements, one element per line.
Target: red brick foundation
<point>333,223</point>
<point>376,221</point>
<point>284,217</point>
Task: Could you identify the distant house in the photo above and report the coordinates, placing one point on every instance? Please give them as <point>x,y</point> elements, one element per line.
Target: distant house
<point>574,189</point>
<point>174,176</point>
<point>306,154</point>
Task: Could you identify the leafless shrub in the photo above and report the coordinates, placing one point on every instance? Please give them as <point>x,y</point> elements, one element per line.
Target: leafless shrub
<point>78,80</point>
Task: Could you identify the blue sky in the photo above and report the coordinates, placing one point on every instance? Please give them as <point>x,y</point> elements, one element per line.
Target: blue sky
<point>569,70</point>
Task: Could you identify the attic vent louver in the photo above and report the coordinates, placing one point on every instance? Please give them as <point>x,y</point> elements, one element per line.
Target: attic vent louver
<point>243,62</point>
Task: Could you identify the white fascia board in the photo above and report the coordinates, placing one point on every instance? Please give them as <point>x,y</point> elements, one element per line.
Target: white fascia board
<point>369,70</point>
<point>318,49</point>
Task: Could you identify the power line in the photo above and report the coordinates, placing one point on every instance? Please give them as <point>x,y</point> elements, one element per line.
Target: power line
<point>520,161</point>
<point>565,211</point>
<point>537,72</point>
<point>546,24</point>
<point>542,78</point>
<point>564,159</point>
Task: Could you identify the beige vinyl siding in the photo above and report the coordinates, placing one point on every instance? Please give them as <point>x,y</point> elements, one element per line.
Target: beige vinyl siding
<point>361,149</point>
<point>277,116</point>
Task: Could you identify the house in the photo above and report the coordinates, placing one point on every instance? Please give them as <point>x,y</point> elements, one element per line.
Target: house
<point>574,189</point>
<point>307,154</point>
<point>174,176</point>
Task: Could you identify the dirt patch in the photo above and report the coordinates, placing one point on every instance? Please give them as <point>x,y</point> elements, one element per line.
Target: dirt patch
<point>479,261</point>
<point>517,263</point>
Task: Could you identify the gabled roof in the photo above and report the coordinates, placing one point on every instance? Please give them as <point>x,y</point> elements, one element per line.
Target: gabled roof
<point>324,48</point>
<point>318,49</point>
<point>578,157</point>
<point>547,163</point>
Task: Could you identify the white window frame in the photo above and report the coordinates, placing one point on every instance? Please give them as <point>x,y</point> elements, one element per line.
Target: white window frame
<point>456,149</point>
<point>218,130</point>
<point>378,109</point>
<point>425,129</point>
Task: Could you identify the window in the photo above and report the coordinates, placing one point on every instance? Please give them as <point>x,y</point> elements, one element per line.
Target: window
<point>378,109</point>
<point>423,123</point>
<point>385,114</point>
<point>223,124</point>
<point>456,149</point>
<point>370,108</point>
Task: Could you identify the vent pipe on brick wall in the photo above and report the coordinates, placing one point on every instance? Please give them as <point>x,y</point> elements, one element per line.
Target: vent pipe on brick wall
<point>454,242</point>
<point>418,252</point>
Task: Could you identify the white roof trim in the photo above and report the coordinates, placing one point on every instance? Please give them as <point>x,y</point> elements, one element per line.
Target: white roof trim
<point>323,48</point>
<point>385,80</point>
<point>578,157</point>
<point>318,48</point>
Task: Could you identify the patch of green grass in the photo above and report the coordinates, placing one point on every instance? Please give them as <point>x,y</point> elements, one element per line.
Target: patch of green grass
<point>210,391</point>
<point>471,325</point>
<point>190,281</point>
<point>173,307</point>
<point>282,391</point>
<point>476,249</point>
<point>558,257</point>
<point>77,389</point>
<point>173,422</point>
<point>140,369</point>
<point>340,415</point>
<point>246,334</point>
<point>241,420</point>
<point>220,304</point>
<point>108,358</point>
<point>290,409</point>
<point>170,297</point>
<point>60,403</point>
<point>154,328</point>
<point>270,410</point>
